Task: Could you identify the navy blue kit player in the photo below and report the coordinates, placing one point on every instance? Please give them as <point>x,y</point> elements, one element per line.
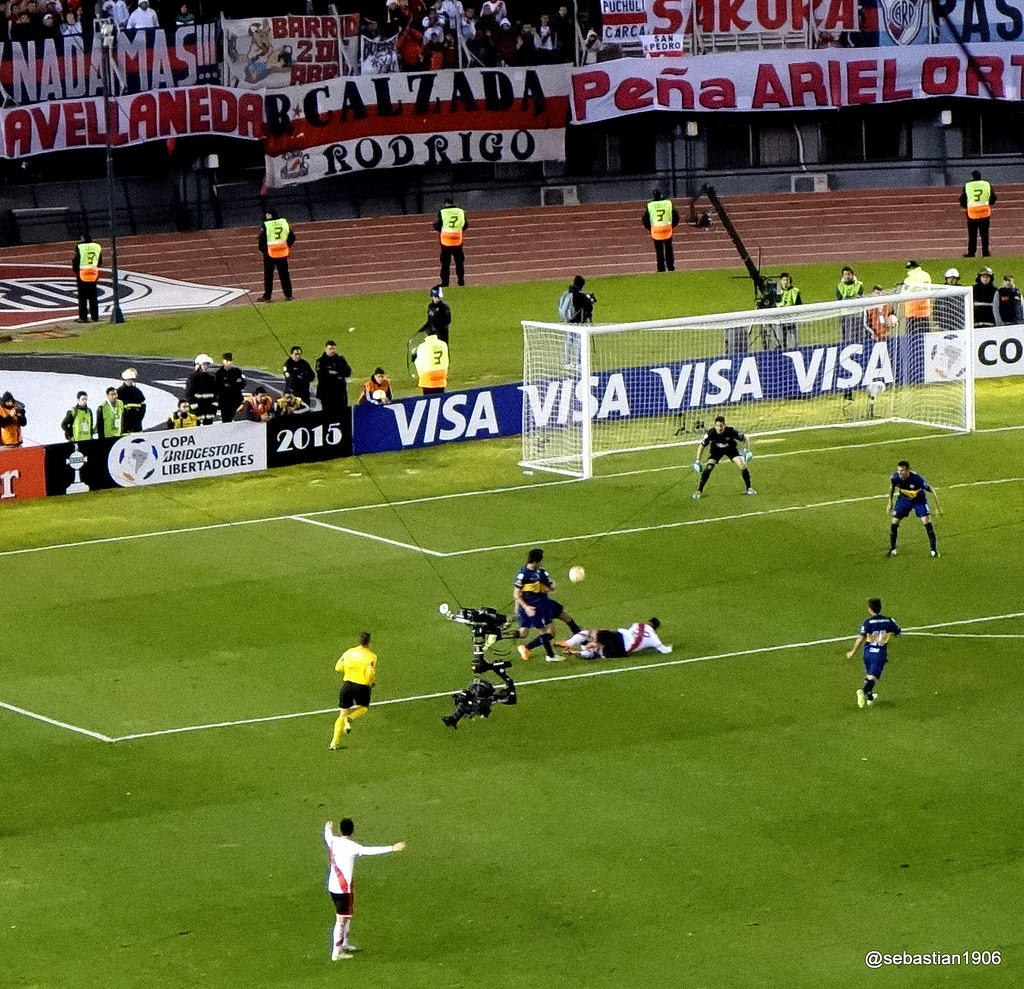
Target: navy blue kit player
<point>535,609</point>
<point>874,635</point>
<point>723,441</point>
<point>909,494</point>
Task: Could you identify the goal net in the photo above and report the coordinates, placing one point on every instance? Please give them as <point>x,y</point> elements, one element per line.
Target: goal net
<point>590,391</point>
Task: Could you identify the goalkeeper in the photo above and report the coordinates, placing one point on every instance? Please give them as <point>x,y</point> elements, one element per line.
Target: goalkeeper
<point>724,442</point>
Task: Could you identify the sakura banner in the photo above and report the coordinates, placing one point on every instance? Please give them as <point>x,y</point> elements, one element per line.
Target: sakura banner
<point>794,80</point>
<point>418,118</point>
<point>67,124</point>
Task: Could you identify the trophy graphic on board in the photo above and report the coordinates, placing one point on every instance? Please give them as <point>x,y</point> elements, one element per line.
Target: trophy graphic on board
<point>76,461</point>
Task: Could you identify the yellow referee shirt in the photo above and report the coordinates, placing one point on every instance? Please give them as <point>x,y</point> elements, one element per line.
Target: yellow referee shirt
<point>358,665</point>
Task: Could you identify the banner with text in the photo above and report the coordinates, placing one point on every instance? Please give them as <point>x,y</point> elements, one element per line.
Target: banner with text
<point>890,23</point>
<point>136,119</point>
<point>797,80</point>
<point>65,68</point>
<point>416,118</point>
<point>22,473</point>
<point>274,52</point>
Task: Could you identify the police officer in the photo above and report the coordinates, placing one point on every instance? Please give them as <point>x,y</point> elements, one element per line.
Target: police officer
<point>332,372</point>
<point>660,218</point>
<point>978,198</point>
<point>298,375</point>
<point>450,225</point>
<point>275,244</point>
<point>439,315</point>
<point>431,359</point>
<point>229,386</point>
<point>134,401</point>
<point>86,265</point>
<point>200,390</point>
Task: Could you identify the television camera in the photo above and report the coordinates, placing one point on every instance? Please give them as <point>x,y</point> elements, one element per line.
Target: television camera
<point>487,627</point>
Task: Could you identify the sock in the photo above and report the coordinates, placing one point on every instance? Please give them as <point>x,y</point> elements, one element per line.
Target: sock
<point>339,934</point>
<point>345,924</point>
<point>893,533</point>
<point>704,478</point>
<point>930,529</point>
<point>339,727</point>
<point>573,627</point>
<point>869,688</point>
<point>746,477</point>
<point>533,643</point>
<point>545,641</point>
<point>576,640</point>
<point>357,712</point>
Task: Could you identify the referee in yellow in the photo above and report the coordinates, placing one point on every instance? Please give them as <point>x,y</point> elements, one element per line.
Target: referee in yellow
<point>358,669</point>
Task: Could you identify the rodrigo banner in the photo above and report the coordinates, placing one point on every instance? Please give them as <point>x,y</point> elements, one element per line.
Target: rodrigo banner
<point>64,68</point>
<point>794,80</point>
<point>416,118</point>
<point>68,124</point>
<point>273,52</point>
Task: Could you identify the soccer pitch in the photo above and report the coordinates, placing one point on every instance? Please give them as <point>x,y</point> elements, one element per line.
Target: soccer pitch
<point>720,817</point>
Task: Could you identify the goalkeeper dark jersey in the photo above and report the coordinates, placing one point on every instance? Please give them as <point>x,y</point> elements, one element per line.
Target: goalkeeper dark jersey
<point>724,443</point>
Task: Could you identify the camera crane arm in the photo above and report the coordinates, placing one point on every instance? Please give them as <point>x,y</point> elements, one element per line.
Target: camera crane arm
<point>761,288</point>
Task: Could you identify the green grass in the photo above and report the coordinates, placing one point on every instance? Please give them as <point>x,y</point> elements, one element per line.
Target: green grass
<point>732,822</point>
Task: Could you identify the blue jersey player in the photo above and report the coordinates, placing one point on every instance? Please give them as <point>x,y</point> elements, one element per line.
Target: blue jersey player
<point>908,494</point>
<point>874,635</point>
<point>535,608</point>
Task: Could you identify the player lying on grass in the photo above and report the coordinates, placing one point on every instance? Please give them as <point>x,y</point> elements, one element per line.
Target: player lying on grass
<point>606,643</point>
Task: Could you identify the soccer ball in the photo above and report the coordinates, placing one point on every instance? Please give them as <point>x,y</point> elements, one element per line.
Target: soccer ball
<point>576,574</point>
<point>875,388</point>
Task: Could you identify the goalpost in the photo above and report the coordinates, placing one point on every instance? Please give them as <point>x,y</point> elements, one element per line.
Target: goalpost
<point>591,391</point>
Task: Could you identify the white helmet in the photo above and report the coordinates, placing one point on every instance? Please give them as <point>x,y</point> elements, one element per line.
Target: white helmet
<point>951,273</point>
<point>203,359</point>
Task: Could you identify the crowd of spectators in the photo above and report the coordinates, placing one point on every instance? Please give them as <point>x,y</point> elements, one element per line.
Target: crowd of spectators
<point>36,20</point>
<point>447,34</point>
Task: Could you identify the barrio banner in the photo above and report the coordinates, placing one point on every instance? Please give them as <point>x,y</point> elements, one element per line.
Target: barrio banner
<point>60,126</point>
<point>272,52</point>
<point>416,118</point>
<point>65,68</point>
<point>794,80</point>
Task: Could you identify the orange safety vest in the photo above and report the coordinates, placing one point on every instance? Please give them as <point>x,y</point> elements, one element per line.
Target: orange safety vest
<point>277,237</point>
<point>978,194</point>
<point>917,278</point>
<point>88,262</point>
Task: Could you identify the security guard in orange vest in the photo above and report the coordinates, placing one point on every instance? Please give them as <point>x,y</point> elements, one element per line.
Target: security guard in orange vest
<point>431,359</point>
<point>917,311</point>
<point>451,225</point>
<point>276,239</point>
<point>86,265</point>
<point>661,219</point>
<point>978,198</point>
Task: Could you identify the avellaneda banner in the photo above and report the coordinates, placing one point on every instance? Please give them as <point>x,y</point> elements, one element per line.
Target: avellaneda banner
<point>416,118</point>
<point>795,80</point>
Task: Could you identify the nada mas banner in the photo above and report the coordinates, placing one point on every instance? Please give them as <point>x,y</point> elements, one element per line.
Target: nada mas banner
<point>794,79</point>
<point>65,68</point>
<point>416,118</point>
<point>68,124</point>
<point>273,52</point>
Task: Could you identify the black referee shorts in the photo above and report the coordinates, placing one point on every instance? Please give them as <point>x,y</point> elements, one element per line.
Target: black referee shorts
<point>353,695</point>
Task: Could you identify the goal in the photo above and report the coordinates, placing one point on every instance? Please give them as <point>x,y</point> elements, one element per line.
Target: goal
<point>591,391</point>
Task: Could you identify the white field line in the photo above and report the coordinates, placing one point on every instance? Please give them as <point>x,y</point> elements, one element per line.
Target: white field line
<point>367,535</point>
<point>968,635</point>
<point>483,492</point>
<point>587,674</point>
<point>55,722</point>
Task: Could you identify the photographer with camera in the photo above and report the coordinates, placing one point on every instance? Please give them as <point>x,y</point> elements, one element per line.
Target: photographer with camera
<point>575,305</point>
<point>12,418</point>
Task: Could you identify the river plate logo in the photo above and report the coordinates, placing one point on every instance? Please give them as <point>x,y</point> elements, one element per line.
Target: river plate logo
<point>36,294</point>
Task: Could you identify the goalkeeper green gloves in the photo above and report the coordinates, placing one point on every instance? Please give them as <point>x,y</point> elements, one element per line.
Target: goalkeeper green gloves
<point>747,456</point>
<point>697,467</point>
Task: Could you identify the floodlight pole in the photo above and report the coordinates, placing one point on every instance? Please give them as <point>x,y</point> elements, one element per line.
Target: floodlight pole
<point>107,28</point>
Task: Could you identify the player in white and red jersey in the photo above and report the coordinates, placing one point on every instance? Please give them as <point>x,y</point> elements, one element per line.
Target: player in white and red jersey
<point>604,643</point>
<point>342,853</point>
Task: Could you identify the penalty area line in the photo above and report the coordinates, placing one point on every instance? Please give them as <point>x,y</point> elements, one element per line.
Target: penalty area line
<point>367,535</point>
<point>55,722</point>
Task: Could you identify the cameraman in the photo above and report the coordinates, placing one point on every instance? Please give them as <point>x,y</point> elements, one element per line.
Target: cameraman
<point>581,303</point>
<point>12,418</point>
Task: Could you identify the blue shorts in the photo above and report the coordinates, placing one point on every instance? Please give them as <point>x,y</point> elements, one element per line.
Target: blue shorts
<point>874,663</point>
<point>904,506</point>
<point>546,610</point>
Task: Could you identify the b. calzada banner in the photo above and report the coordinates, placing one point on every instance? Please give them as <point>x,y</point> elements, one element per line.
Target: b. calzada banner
<point>64,68</point>
<point>272,52</point>
<point>416,118</point>
<point>68,124</point>
<point>794,80</point>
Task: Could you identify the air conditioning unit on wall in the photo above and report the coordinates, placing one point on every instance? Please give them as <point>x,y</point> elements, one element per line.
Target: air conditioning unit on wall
<point>809,182</point>
<point>559,195</point>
